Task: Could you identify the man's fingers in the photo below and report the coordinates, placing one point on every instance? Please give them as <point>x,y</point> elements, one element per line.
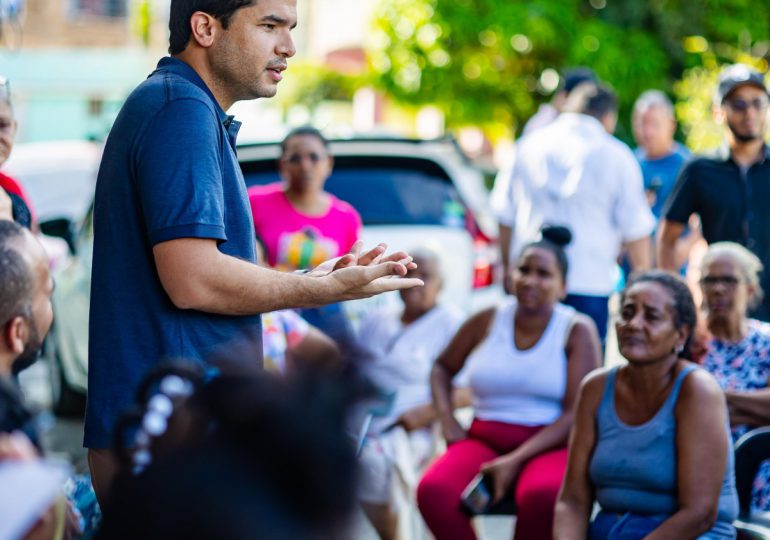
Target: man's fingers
<point>408,263</point>
<point>345,261</point>
<point>385,284</point>
<point>395,256</point>
<point>373,256</point>
<point>355,249</point>
<point>382,270</point>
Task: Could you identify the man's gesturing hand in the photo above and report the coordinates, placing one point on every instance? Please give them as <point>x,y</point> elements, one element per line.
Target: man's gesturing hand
<point>372,257</point>
<point>355,282</point>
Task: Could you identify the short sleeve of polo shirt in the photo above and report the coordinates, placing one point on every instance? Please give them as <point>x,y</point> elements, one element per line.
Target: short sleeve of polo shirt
<point>179,173</point>
<point>681,202</point>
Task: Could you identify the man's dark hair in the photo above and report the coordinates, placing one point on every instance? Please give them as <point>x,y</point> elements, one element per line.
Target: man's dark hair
<point>595,100</point>
<point>16,281</point>
<point>304,131</point>
<point>275,461</point>
<point>574,77</point>
<point>685,314</point>
<point>182,11</point>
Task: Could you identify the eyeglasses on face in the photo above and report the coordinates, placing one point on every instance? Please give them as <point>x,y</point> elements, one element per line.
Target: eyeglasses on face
<point>713,281</point>
<point>742,105</point>
<point>296,159</point>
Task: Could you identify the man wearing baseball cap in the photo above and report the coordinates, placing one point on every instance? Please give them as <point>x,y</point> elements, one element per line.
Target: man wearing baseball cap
<point>729,190</point>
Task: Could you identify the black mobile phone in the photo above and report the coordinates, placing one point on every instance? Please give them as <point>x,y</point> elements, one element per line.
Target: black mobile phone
<point>476,498</point>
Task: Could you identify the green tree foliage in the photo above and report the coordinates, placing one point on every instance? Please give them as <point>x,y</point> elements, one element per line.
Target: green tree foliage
<point>487,62</point>
<point>311,84</point>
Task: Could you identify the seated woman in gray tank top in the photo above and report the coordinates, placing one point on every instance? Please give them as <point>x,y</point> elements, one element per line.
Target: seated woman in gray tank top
<point>651,440</point>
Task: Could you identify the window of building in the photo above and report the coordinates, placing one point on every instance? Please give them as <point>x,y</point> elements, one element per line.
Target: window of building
<point>100,8</point>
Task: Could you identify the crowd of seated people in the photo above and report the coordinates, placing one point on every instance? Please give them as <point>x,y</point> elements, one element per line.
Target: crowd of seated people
<point>649,443</point>
<point>650,439</point>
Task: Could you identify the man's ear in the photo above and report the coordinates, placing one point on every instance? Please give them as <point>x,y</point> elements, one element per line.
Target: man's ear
<point>718,112</point>
<point>15,334</point>
<point>203,29</point>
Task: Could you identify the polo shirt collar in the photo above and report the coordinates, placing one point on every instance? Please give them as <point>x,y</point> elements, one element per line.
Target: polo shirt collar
<point>183,69</point>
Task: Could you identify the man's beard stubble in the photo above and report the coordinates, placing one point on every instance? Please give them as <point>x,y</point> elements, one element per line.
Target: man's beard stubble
<point>745,137</point>
<point>31,351</point>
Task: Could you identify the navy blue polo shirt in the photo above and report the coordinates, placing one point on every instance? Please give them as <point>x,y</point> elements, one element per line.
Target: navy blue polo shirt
<point>169,171</point>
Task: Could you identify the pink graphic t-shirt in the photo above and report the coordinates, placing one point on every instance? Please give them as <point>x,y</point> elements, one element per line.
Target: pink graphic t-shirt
<point>295,241</point>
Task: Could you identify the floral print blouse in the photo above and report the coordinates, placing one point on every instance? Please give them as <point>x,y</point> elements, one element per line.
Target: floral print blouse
<point>744,367</point>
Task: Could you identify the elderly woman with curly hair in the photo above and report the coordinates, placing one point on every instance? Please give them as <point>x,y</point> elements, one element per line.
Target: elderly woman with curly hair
<point>737,346</point>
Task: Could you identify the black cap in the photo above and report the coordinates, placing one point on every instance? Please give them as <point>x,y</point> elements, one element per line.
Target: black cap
<point>737,75</point>
<point>576,76</point>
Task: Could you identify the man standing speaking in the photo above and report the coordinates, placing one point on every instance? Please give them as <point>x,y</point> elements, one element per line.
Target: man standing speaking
<point>174,264</point>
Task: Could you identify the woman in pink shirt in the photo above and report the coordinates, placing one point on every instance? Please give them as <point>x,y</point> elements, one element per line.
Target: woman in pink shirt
<point>299,223</point>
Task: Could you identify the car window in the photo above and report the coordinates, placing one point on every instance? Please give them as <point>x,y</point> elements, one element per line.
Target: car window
<point>388,195</point>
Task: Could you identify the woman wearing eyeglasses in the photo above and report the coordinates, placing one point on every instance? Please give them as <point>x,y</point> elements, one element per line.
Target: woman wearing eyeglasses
<point>737,347</point>
<point>15,204</point>
<point>299,223</point>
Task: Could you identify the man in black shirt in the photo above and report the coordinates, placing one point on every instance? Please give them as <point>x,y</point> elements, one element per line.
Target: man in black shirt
<point>731,189</point>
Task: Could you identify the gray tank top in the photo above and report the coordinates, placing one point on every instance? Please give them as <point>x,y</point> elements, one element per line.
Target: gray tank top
<point>633,468</point>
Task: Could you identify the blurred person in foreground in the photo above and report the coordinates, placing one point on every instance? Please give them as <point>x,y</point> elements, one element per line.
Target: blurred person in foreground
<point>574,173</point>
<point>301,225</point>
<point>396,351</point>
<point>26,315</point>
<point>737,347</point>
<point>728,191</point>
<point>525,360</point>
<point>651,442</point>
<point>243,455</point>
<point>171,211</point>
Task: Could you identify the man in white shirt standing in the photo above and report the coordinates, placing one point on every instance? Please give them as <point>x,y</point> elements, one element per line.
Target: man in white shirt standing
<point>574,173</point>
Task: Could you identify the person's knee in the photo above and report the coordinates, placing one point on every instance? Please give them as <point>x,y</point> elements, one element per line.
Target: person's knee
<point>433,490</point>
<point>537,497</point>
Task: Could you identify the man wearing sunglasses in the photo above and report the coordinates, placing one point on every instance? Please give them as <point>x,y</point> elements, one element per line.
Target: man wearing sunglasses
<point>729,190</point>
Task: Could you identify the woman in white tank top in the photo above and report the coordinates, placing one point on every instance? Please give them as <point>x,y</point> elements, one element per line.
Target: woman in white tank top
<point>525,362</point>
